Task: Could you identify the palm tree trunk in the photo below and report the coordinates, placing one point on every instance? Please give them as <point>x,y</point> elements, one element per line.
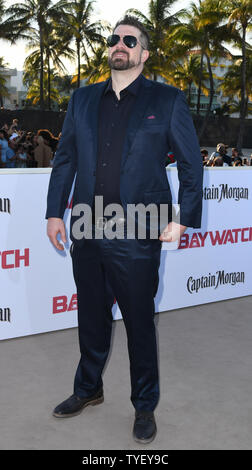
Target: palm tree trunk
<point>42,104</point>
<point>206,117</point>
<point>243,92</point>
<point>49,82</point>
<point>200,80</point>
<point>78,58</point>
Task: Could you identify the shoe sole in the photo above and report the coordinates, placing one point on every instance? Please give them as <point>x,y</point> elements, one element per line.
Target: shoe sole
<point>145,441</point>
<point>97,401</point>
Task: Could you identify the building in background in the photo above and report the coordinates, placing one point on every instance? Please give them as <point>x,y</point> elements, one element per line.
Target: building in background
<point>219,69</point>
<point>17,91</point>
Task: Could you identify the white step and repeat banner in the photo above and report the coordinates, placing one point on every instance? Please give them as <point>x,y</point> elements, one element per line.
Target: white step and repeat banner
<point>37,291</point>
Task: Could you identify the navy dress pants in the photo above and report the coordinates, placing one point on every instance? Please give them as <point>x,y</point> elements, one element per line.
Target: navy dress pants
<point>128,271</point>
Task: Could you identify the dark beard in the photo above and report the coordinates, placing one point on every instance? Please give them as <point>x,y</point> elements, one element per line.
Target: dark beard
<point>120,64</point>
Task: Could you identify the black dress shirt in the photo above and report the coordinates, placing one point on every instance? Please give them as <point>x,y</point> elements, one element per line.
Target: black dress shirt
<point>112,124</point>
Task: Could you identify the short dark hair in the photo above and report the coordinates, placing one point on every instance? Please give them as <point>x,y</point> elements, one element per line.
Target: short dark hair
<point>205,151</point>
<point>132,21</point>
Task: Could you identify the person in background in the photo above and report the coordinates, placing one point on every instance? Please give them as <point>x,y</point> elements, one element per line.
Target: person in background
<point>50,141</point>
<point>209,162</point>
<point>235,155</point>
<point>21,156</point>
<point>237,163</point>
<point>204,154</point>
<point>245,161</point>
<point>47,136</point>
<point>218,161</point>
<point>31,162</point>
<point>42,153</point>
<point>14,127</point>
<point>6,127</point>
<point>3,147</point>
<point>226,158</point>
<point>221,152</point>
<point>11,154</point>
<point>34,141</point>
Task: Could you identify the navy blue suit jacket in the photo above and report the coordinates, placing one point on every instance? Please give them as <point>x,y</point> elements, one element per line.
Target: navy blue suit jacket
<point>143,177</point>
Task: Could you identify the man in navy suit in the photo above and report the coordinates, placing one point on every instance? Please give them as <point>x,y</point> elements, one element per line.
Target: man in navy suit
<point>115,139</point>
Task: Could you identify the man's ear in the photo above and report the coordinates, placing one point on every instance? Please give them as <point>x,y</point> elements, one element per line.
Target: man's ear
<point>145,55</point>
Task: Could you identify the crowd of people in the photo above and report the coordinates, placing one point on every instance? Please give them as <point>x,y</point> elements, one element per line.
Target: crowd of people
<point>219,157</point>
<point>20,149</point>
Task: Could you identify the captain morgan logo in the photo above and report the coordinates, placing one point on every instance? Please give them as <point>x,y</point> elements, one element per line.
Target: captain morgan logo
<point>215,280</point>
<point>223,191</point>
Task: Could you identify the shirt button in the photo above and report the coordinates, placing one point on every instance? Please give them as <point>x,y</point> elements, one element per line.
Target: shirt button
<point>108,144</point>
<point>102,184</point>
<point>113,125</point>
<point>104,164</point>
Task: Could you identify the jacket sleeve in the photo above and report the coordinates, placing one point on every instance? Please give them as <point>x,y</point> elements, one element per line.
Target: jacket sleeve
<point>184,143</point>
<point>64,167</point>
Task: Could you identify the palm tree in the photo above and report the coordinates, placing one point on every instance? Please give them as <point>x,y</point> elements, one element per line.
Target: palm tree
<point>54,48</point>
<point>2,11</point>
<point>77,24</point>
<point>204,29</point>
<point>64,85</point>
<point>231,85</point>
<point>234,106</point>
<point>158,22</point>
<point>240,19</point>
<point>96,69</point>
<point>34,92</point>
<point>31,69</point>
<point>36,12</point>
<point>9,28</point>
<point>3,89</point>
<point>187,73</point>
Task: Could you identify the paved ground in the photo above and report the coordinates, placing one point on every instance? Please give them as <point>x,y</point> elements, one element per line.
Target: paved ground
<point>205,360</point>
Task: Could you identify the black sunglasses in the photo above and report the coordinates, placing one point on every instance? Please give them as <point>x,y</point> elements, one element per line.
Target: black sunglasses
<point>129,41</point>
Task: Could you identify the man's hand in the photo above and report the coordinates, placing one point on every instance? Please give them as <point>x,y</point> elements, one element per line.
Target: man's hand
<point>172,232</point>
<point>55,226</point>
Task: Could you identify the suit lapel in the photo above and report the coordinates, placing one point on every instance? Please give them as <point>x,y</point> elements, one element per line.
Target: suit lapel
<point>93,113</point>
